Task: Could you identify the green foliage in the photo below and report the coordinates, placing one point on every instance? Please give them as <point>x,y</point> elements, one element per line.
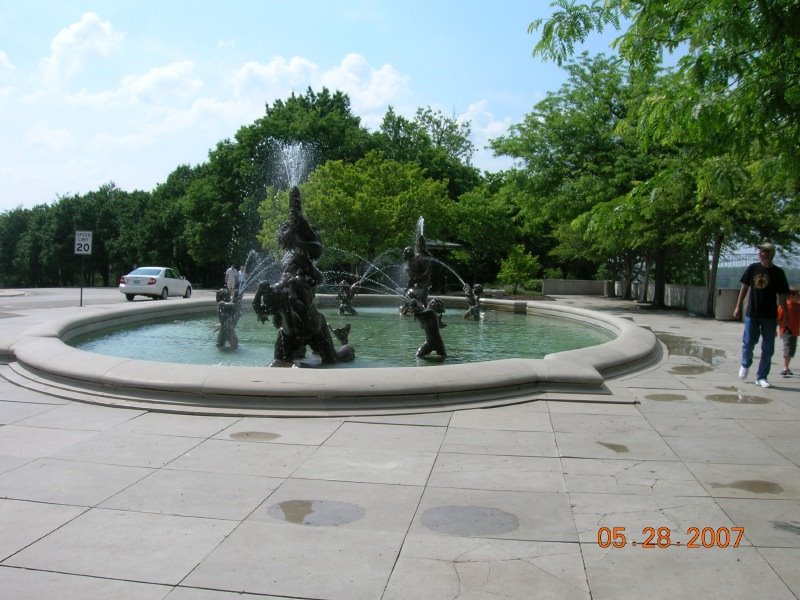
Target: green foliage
<point>440,144</point>
<point>576,157</point>
<point>518,268</point>
<point>365,208</point>
<point>727,109</point>
<point>485,230</point>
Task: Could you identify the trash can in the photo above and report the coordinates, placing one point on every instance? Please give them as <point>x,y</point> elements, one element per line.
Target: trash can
<point>724,304</point>
<point>608,289</point>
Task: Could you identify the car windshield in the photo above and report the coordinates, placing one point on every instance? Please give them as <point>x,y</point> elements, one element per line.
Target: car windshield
<point>145,271</point>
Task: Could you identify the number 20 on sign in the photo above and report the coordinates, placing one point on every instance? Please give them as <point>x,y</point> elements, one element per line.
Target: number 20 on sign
<point>83,242</point>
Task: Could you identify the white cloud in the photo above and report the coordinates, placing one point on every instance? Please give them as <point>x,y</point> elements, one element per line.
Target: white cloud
<point>160,86</point>
<point>276,79</point>
<point>74,45</point>
<point>47,138</point>
<point>7,68</point>
<point>368,88</point>
<point>173,81</point>
<point>485,127</point>
<point>7,77</point>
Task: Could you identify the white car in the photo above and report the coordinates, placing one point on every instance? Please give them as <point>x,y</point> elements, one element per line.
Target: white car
<point>155,282</point>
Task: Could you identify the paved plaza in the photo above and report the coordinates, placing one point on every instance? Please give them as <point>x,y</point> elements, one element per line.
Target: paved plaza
<point>683,482</point>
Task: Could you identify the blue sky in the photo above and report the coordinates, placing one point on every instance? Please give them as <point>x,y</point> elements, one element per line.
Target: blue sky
<point>124,92</point>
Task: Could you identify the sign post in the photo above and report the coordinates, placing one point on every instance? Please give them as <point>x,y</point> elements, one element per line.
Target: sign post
<point>83,247</point>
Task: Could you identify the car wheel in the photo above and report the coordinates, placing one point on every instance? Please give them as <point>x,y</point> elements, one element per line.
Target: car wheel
<point>188,292</point>
<point>129,297</point>
<point>164,294</point>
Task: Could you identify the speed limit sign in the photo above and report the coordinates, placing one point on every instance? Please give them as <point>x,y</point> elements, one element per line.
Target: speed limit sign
<point>83,242</point>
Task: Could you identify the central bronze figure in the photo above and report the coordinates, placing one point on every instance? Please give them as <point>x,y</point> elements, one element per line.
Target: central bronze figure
<point>290,301</point>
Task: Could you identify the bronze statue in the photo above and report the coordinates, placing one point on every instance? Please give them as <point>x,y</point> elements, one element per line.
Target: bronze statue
<point>473,297</point>
<point>345,293</point>
<point>290,301</point>
<point>430,317</point>
<point>418,268</point>
<point>228,311</point>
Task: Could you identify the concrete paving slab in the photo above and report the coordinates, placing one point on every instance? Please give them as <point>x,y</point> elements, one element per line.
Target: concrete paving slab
<point>490,472</point>
<point>126,545</point>
<point>244,458</point>
<point>26,584</point>
<point>337,463</point>
<point>677,572</point>
<point>531,416</point>
<point>189,593</point>
<point>310,432</point>
<point>748,481</point>
<point>178,425</point>
<point>473,503</point>
<point>715,441</point>
<point>35,442</point>
<point>460,567</point>
<point>228,496</point>
<point>356,506</point>
<point>619,476</point>
<point>773,524</point>
<point>133,449</point>
<point>13,412</point>
<point>335,563</point>
<point>81,416</point>
<point>368,436</point>
<point>500,442</point>
<point>636,445</point>
<point>68,482</point>
<point>23,522</point>
<point>784,561</point>
<point>492,514</point>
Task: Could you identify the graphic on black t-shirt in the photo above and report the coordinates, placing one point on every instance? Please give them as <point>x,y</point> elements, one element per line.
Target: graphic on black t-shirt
<point>761,281</point>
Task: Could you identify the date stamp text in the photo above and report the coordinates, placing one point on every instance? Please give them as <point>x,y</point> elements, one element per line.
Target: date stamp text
<point>662,537</point>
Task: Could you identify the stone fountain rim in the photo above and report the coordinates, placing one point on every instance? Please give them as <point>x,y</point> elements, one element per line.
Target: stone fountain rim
<point>42,360</point>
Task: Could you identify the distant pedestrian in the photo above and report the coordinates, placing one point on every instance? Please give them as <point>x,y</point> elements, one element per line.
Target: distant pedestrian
<point>231,276</point>
<point>768,288</point>
<point>789,327</point>
<point>241,278</point>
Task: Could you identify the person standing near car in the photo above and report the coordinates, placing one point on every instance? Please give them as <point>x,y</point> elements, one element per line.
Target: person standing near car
<point>768,288</point>
<point>231,277</point>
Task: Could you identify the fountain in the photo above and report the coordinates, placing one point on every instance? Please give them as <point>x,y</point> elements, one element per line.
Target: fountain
<point>286,294</point>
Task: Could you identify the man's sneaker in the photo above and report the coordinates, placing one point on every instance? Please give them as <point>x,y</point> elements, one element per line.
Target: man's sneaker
<point>743,372</point>
<point>786,372</point>
<point>763,383</point>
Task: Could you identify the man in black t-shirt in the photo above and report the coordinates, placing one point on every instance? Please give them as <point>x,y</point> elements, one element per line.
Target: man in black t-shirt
<point>768,287</point>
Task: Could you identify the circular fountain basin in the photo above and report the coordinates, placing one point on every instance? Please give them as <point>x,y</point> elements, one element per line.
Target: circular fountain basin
<point>43,360</point>
<point>381,336</point>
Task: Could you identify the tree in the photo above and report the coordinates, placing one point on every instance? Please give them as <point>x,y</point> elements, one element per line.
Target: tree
<point>484,228</point>
<point>13,225</point>
<point>518,268</point>
<point>573,157</point>
<point>740,64</point>
<point>440,144</point>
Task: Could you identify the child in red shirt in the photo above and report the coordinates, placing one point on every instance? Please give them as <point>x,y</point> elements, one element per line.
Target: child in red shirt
<point>789,331</point>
